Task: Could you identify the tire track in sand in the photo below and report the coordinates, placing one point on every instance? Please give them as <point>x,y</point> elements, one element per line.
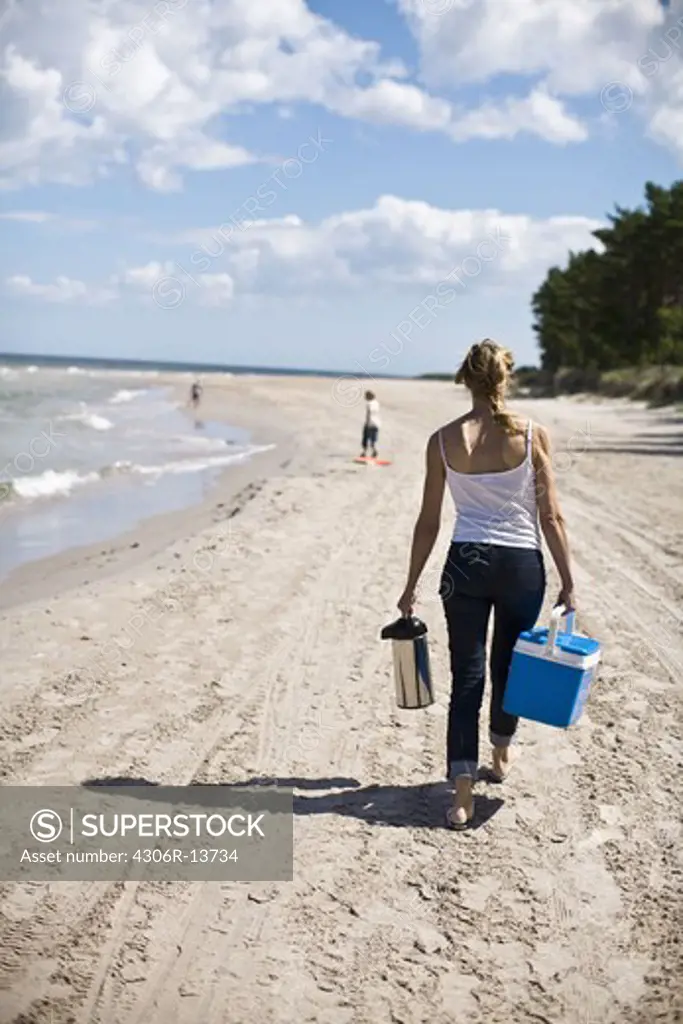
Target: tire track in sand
<point>202,904</point>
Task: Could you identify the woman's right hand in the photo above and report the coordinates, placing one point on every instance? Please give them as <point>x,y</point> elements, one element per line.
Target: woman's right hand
<point>566,597</point>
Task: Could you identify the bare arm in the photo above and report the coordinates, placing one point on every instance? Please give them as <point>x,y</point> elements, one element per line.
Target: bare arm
<point>550,515</point>
<point>428,521</point>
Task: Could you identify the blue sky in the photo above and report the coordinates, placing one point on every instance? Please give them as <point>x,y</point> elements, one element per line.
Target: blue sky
<point>333,184</point>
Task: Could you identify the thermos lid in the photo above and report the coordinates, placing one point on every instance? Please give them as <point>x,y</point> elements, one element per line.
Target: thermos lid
<point>405,628</point>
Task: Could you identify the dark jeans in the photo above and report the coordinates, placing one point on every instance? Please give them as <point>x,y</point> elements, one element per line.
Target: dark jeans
<point>370,435</point>
<point>477,578</point>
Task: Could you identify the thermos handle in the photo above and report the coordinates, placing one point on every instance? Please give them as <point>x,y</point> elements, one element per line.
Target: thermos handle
<point>558,612</point>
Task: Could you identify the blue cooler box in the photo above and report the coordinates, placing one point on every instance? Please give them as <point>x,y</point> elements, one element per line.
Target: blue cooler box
<point>551,673</point>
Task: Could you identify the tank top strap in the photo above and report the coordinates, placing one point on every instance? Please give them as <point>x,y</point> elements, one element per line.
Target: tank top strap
<point>529,438</point>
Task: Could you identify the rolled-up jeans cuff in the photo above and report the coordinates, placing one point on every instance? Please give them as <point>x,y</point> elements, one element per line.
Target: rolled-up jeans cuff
<point>456,768</point>
<point>500,741</point>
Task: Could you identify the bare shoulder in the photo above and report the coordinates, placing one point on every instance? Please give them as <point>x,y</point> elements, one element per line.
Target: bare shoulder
<point>446,430</point>
<point>455,425</point>
<point>434,443</point>
<point>435,462</point>
<point>542,435</point>
<point>541,440</point>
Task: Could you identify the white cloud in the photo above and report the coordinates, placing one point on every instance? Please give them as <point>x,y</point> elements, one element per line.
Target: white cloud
<point>164,282</point>
<point>87,88</point>
<point>566,48</point>
<point>62,290</point>
<point>538,113</point>
<point>575,47</point>
<point>156,165</point>
<point>216,289</point>
<point>156,280</point>
<point>144,277</point>
<point>395,244</point>
<point>35,132</point>
<point>390,102</point>
<point>400,103</point>
<point>666,122</point>
<point>28,216</point>
<point>43,217</point>
<point>161,283</point>
<point>662,65</point>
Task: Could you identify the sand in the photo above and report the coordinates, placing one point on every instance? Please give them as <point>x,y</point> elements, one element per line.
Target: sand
<point>562,906</point>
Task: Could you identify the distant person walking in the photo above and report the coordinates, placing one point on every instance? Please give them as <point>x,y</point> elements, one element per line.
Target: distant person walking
<point>195,394</point>
<point>500,475</point>
<point>371,425</point>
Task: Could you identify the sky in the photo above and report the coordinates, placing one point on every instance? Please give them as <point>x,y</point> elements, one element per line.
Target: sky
<point>337,184</point>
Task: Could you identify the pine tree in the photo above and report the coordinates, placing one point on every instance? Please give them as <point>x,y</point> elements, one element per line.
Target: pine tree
<point>619,304</point>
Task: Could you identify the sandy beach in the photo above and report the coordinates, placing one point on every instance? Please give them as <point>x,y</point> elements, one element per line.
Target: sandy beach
<point>239,639</point>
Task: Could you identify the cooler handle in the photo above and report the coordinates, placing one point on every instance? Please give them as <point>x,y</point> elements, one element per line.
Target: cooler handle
<point>558,612</point>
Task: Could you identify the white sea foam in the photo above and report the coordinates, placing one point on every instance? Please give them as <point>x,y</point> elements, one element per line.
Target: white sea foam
<point>196,442</point>
<point>125,395</point>
<point>54,483</point>
<point>196,465</point>
<point>90,419</point>
<point>51,483</point>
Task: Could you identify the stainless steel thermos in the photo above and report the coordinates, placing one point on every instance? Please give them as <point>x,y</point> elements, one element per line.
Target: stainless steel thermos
<point>412,674</point>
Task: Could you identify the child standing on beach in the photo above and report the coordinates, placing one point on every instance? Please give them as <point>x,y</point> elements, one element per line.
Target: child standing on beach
<point>372,424</point>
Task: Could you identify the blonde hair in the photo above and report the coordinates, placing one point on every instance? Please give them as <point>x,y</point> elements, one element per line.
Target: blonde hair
<point>486,371</point>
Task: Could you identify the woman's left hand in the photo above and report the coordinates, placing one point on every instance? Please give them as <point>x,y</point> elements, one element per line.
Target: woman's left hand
<point>406,602</point>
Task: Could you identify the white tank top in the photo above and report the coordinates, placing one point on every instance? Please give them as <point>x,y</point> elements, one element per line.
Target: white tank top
<point>372,413</point>
<point>496,508</point>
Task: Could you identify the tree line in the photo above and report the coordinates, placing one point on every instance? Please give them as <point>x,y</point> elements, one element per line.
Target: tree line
<point>620,305</point>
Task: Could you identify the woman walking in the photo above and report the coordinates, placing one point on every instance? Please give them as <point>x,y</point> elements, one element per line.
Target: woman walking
<point>498,468</point>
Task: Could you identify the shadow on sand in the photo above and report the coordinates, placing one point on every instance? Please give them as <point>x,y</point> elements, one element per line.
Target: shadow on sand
<point>420,806</point>
<point>666,448</point>
<point>643,441</point>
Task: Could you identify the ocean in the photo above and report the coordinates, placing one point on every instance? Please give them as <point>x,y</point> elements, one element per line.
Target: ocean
<point>89,450</point>
<point>74,363</point>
